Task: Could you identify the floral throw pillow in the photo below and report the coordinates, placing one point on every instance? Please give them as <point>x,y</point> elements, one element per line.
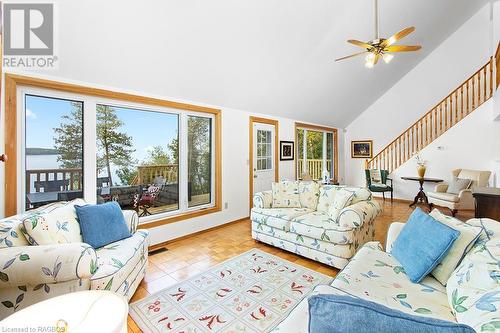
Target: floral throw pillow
<point>342,199</point>
<point>309,194</point>
<point>286,194</point>
<point>56,225</point>
<point>468,236</point>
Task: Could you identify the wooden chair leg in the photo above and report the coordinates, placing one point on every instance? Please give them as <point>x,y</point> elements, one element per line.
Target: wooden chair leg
<point>383,195</point>
<point>391,196</point>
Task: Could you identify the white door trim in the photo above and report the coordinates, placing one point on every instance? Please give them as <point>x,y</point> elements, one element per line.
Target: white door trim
<point>253,120</point>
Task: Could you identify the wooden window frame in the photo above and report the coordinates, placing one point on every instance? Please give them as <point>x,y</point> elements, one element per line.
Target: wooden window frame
<point>276,125</point>
<point>335,145</point>
<point>14,81</point>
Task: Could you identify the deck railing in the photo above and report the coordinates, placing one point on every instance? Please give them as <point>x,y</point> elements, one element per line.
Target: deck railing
<point>314,167</point>
<point>54,180</point>
<point>476,90</point>
<point>147,174</point>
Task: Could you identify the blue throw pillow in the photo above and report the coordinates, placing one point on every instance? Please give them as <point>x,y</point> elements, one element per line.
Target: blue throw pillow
<point>102,224</point>
<point>339,313</point>
<point>422,244</point>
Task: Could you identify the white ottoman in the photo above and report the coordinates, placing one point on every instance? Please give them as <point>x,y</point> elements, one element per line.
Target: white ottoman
<point>84,311</point>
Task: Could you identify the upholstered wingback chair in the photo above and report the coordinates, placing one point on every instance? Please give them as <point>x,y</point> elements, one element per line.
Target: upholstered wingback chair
<point>463,200</point>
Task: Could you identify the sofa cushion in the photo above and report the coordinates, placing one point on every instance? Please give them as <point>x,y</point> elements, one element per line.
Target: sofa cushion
<point>277,217</point>
<point>345,251</point>
<point>340,313</point>
<point>286,194</point>
<point>320,226</point>
<point>376,276</point>
<point>55,224</point>
<point>327,195</point>
<point>474,287</point>
<point>468,236</point>
<point>102,224</point>
<point>342,199</point>
<point>309,194</point>
<point>117,260</point>
<point>12,232</point>
<point>444,196</point>
<point>416,251</point>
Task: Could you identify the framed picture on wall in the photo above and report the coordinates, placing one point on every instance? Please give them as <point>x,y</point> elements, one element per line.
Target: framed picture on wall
<point>362,149</point>
<point>286,151</point>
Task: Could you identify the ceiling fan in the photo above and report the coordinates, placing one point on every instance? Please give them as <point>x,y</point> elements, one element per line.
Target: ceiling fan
<point>382,47</point>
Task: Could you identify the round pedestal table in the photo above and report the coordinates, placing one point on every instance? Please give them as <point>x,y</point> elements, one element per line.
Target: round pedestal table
<point>82,312</point>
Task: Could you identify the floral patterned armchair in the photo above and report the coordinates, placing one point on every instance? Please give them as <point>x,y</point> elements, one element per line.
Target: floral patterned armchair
<point>42,257</point>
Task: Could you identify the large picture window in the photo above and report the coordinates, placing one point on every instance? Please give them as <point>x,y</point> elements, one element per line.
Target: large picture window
<point>137,159</point>
<point>53,151</point>
<point>315,152</point>
<point>159,159</point>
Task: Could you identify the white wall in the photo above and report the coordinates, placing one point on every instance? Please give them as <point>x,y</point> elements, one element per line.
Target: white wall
<point>235,167</point>
<point>416,93</point>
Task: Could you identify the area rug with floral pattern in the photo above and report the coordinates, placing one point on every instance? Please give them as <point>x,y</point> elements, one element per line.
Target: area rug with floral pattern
<point>252,292</point>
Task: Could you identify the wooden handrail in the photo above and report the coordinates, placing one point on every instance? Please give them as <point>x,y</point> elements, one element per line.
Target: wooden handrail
<point>463,100</point>
<point>497,64</point>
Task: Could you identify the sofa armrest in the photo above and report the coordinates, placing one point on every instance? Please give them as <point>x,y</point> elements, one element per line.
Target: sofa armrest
<point>43,264</point>
<point>393,233</point>
<point>263,199</point>
<point>441,187</point>
<point>354,216</point>
<point>132,220</point>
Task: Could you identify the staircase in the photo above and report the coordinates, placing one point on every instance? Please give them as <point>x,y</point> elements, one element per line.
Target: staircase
<point>462,101</point>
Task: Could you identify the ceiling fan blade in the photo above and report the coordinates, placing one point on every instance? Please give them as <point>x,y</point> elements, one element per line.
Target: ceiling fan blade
<point>359,43</point>
<point>402,48</point>
<point>394,38</point>
<point>352,55</point>
<point>377,57</point>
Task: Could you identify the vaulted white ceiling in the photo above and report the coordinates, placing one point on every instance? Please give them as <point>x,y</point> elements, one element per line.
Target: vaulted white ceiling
<point>266,56</point>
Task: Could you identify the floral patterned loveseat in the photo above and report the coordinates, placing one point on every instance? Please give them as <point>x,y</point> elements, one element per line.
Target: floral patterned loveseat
<point>471,295</point>
<point>42,255</point>
<point>309,231</point>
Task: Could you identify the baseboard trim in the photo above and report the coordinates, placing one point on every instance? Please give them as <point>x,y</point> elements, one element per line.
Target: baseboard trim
<point>170,241</point>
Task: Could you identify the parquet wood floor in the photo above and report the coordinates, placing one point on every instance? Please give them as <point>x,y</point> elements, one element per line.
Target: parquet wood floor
<point>193,255</point>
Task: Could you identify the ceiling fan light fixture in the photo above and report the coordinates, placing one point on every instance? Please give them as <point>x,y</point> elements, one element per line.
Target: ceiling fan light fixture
<point>370,57</point>
<point>378,47</point>
<point>387,57</point>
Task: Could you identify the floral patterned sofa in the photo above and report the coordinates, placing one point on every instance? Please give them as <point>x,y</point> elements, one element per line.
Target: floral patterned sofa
<point>471,295</point>
<point>309,231</point>
<point>31,272</point>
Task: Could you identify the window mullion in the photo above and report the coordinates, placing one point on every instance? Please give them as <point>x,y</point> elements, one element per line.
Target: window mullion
<point>183,162</point>
<point>89,151</point>
<point>324,153</point>
<point>305,168</point>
